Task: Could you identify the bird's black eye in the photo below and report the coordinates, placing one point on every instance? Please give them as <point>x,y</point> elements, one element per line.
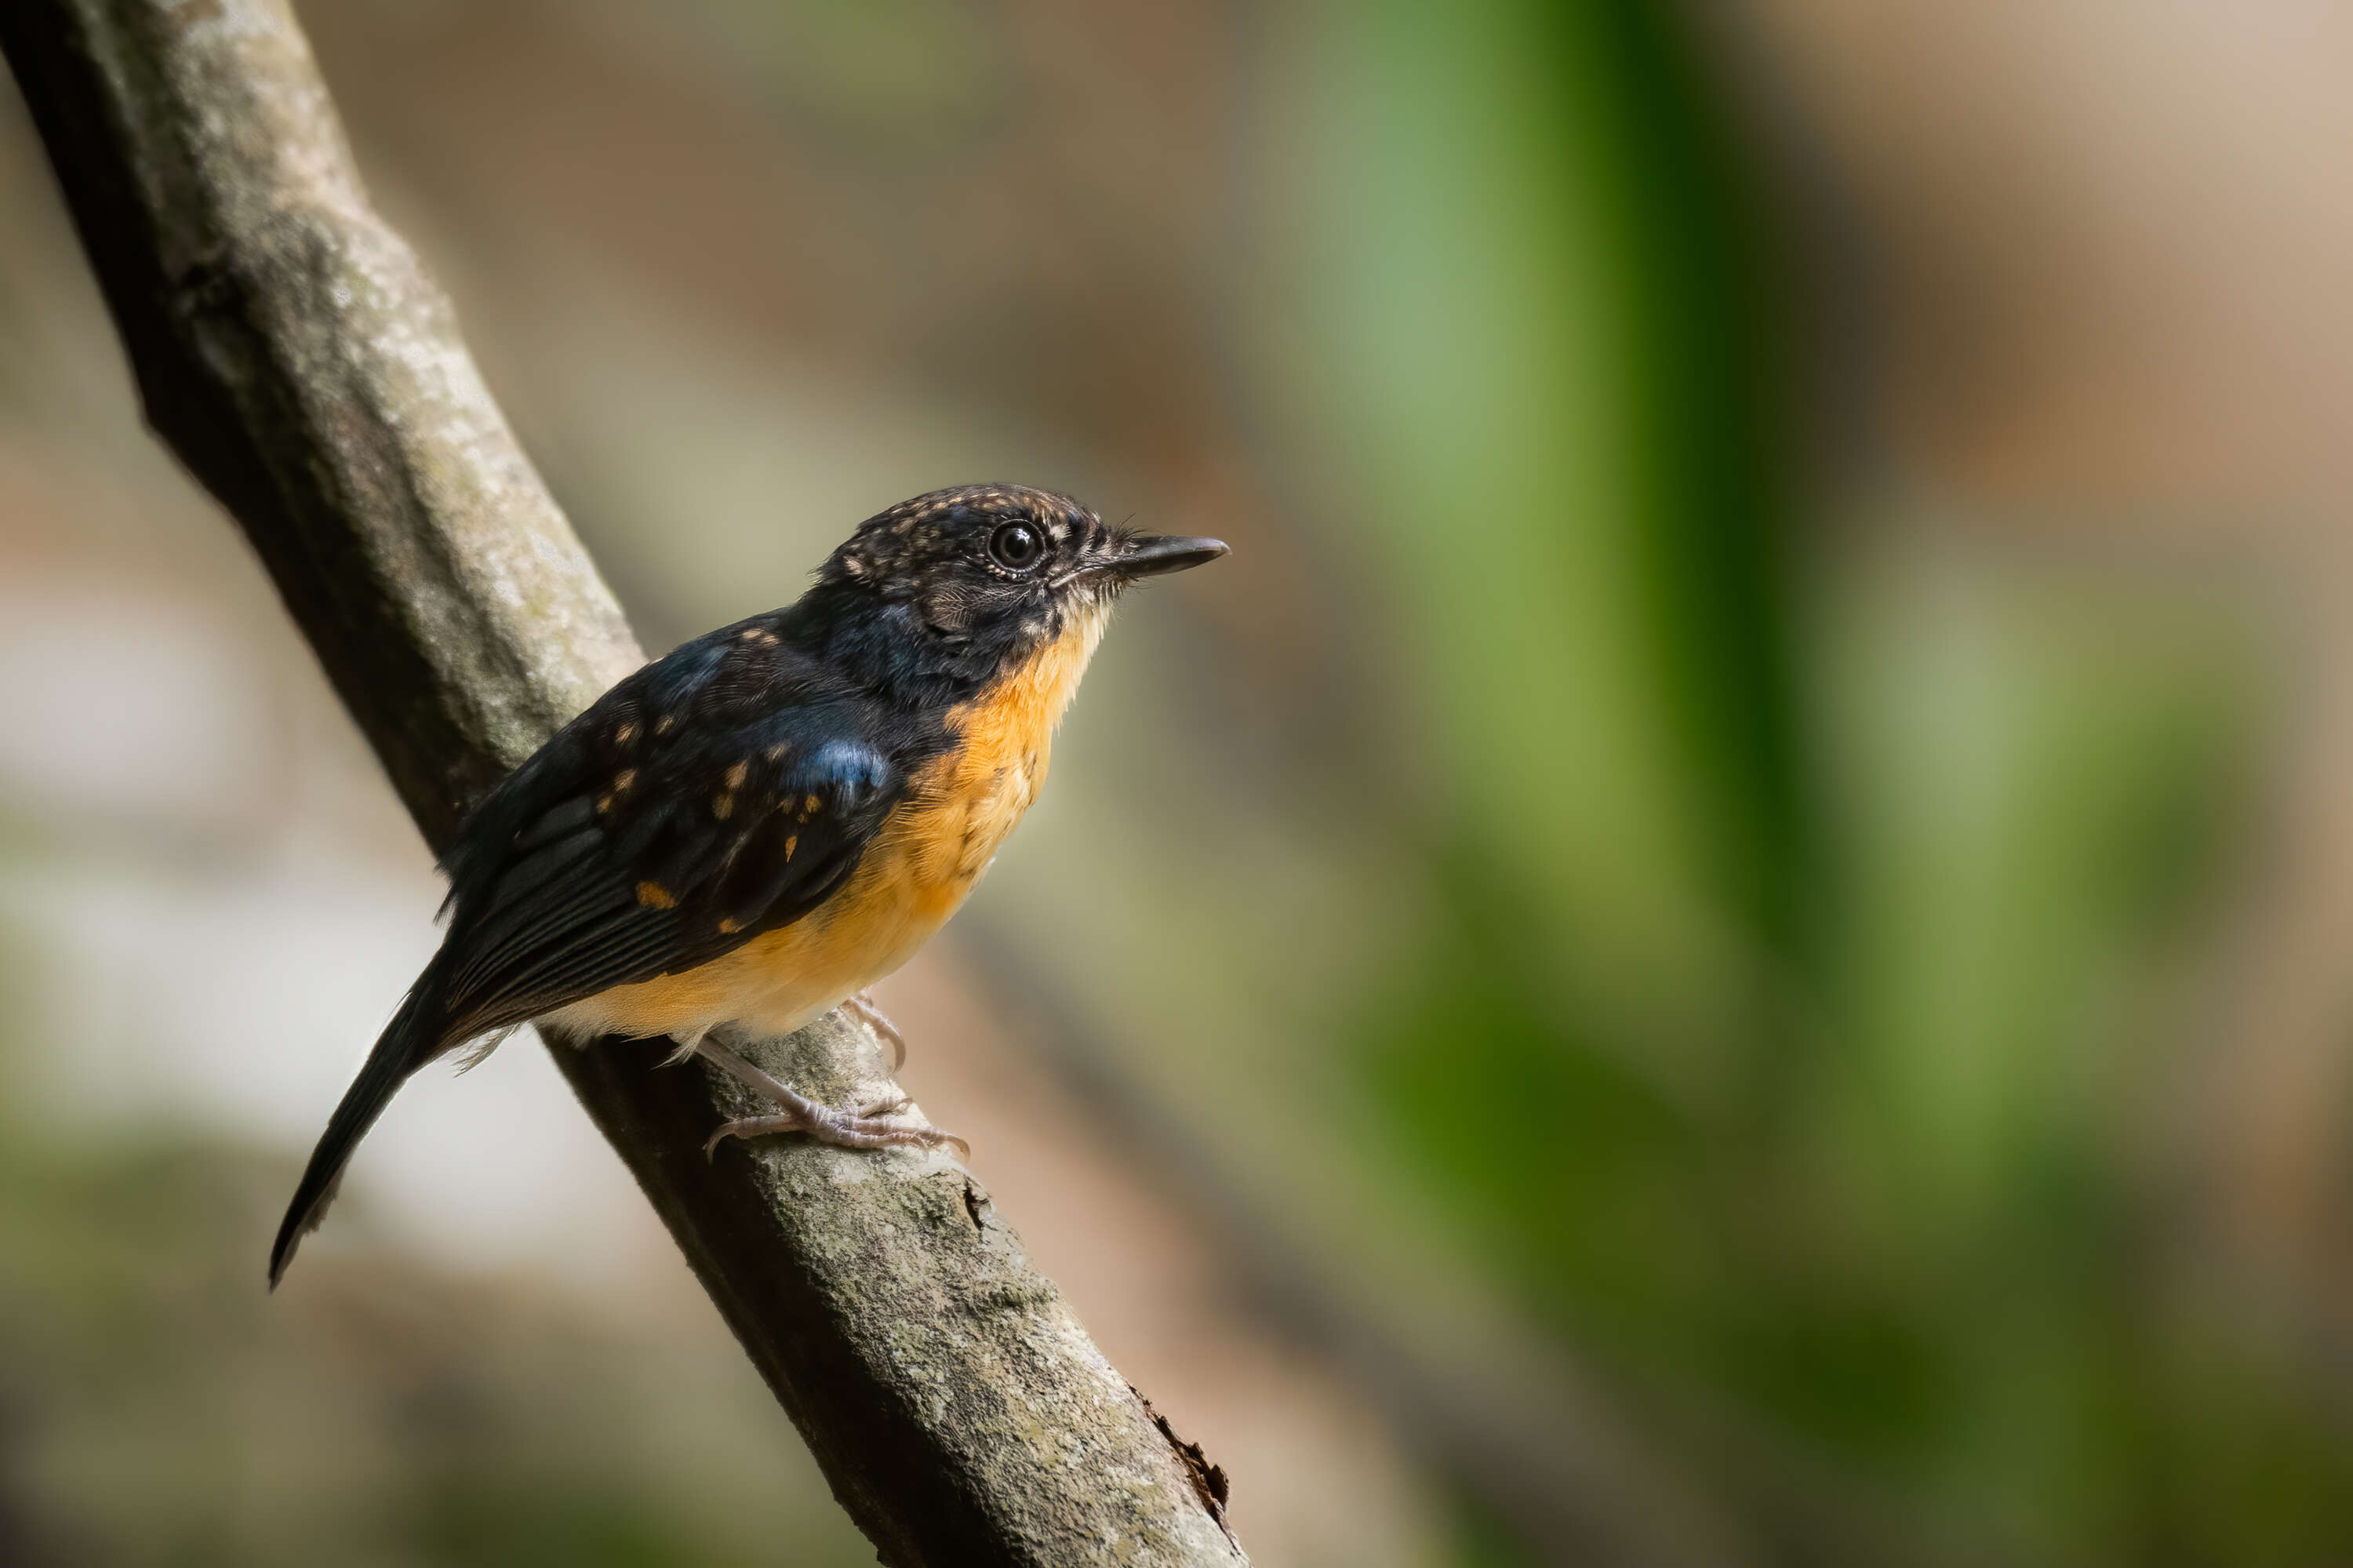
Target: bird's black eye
<point>1018,545</point>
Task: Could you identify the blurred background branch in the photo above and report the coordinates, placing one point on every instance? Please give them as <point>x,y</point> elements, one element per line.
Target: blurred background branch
<point>293,354</point>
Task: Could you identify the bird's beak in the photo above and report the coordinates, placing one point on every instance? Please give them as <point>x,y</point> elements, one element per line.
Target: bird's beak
<point>1155,554</point>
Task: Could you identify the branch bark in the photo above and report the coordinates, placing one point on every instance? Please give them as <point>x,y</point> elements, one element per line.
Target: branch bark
<point>288,347</point>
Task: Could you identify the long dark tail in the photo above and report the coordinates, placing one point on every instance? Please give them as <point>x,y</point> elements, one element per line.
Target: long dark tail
<point>415,1036</point>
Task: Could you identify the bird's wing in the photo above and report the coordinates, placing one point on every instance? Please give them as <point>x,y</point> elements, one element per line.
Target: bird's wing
<point>721,792</point>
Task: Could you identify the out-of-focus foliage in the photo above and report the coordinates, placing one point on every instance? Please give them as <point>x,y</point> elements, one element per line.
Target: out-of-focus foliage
<point>1801,910</point>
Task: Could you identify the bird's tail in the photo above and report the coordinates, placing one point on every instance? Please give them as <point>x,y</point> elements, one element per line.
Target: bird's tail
<point>417,1034</point>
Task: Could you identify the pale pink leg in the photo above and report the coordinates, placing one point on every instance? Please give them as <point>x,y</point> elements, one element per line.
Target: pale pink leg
<point>861,1007</point>
<point>858,1127</point>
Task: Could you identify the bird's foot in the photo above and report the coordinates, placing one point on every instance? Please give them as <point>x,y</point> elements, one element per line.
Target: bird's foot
<point>861,1007</point>
<point>861,1126</point>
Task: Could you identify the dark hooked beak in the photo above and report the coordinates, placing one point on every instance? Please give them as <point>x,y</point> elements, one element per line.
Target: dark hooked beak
<point>1155,554</point>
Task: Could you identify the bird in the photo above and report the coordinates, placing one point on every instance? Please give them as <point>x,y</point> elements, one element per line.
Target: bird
<point>755,827</point>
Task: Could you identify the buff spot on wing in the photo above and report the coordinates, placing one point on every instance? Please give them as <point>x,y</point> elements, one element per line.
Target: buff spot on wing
<point>623,780</point>
<point>722,807</point>
<point>663,724</point>
<point>737,774</point>
<point>654,896</point>
<point>729,926</point>
<point>626,734</point>
<point>792,843</point>
<point>811,805</point>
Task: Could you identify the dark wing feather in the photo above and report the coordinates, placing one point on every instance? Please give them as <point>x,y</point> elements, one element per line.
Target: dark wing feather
<point>735,779</point>
<point>719,793</point>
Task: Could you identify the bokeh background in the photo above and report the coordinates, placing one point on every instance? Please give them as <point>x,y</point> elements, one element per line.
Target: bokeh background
<point>1727,938</point>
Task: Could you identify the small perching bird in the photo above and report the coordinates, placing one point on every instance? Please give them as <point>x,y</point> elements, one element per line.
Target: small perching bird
<point>757,826</point>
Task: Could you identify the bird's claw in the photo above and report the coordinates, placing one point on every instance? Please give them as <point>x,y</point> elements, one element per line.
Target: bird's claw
<point>857,1127</point>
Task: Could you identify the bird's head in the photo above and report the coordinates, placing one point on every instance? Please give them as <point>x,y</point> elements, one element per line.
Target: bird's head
<point>990,576</point>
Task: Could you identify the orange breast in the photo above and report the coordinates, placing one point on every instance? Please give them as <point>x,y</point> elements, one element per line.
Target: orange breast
<point>916,874</point>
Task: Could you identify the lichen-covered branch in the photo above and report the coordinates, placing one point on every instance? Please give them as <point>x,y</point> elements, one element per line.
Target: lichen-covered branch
<point>290,350</point>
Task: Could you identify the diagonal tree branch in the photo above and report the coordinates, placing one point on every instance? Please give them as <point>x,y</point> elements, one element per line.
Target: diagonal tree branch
<point>290,350</point>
